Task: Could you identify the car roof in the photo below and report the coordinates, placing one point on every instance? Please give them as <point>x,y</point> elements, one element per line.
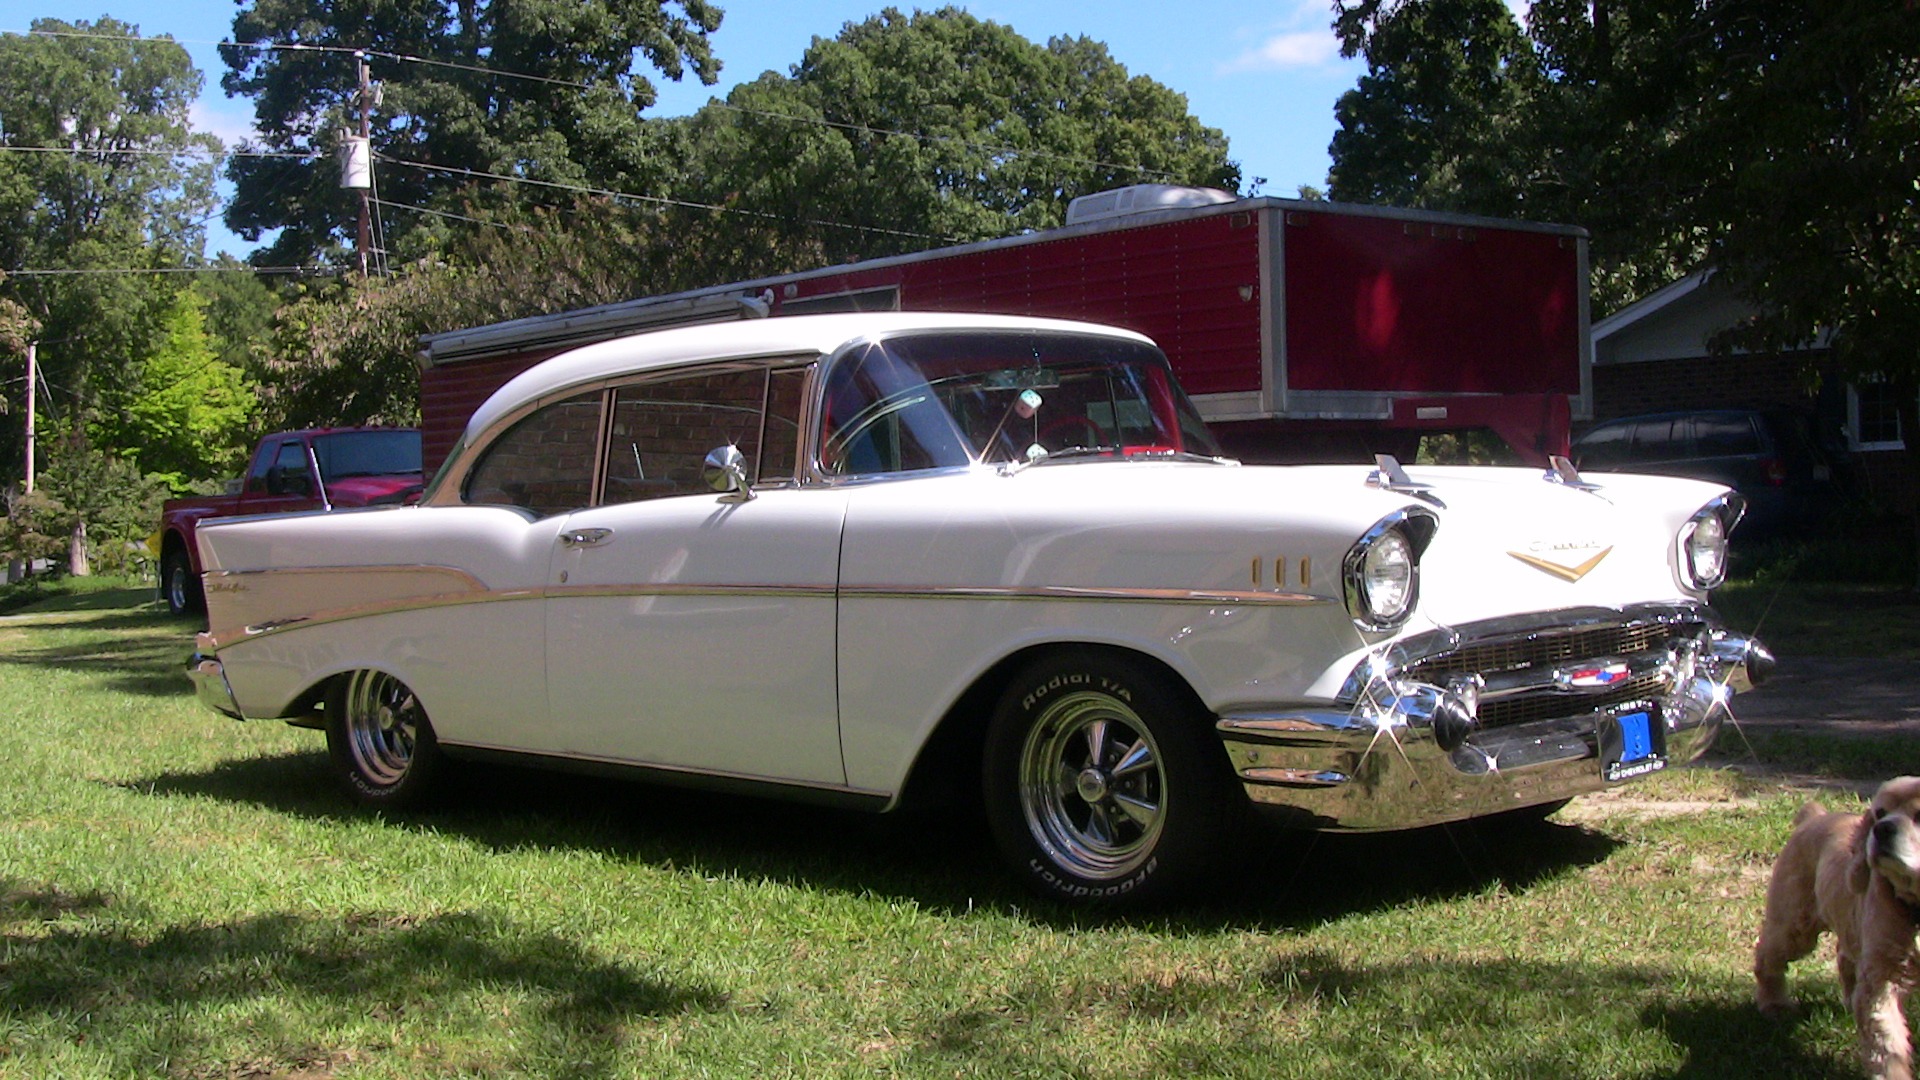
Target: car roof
<point>791,335</point>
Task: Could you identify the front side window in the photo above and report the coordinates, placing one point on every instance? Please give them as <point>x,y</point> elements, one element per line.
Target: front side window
<point>663,431</point>
<point>289,473</point>
<point>930,401</point>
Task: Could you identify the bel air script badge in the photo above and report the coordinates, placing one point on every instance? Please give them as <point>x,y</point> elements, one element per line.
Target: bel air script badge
<point>1568,560</point>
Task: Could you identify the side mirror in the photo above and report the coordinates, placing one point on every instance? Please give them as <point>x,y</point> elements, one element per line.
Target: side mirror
<point>725,471</point>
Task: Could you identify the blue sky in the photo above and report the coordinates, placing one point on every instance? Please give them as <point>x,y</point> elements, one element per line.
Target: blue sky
<point>1266,74</point>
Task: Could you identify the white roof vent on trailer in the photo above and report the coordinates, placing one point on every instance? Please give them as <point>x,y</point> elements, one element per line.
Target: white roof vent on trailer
<point>1140,198</point>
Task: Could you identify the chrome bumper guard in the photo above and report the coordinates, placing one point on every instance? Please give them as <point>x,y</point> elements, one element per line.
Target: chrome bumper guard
<point>1494,716</point>
<point>210,685</point>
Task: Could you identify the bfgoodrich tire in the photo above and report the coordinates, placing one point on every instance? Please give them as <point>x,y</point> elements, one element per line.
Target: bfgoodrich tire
<point>381,743</point>
<point>1104,783</point>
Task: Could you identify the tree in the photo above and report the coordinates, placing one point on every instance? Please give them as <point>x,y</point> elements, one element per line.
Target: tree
<point>1433,121</point>
<point>907,132</point>
<point>489,86</point>
<point>186,418</point>
<point>343,351</point>
<point>107,176</point>
<point>90,507</point>
<point>1570,121</point>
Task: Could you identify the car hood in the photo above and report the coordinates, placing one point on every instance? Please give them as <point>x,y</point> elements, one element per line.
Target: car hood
<point>1508,540</point>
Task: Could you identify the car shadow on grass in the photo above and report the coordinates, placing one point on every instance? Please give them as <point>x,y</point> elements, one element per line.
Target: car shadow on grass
<point>173,991</point>
<point>942,859</point>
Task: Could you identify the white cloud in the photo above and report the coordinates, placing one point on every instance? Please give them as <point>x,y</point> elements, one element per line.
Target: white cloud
<point>1293,49</point>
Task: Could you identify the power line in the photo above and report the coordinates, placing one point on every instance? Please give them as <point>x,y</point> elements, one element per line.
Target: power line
<point>184,151</point>
<point>659,200</point>
<point>241,269</point>
<point>453,216</point>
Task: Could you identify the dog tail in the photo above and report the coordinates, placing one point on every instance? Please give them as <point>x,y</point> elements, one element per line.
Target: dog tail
<point>1807,813</point>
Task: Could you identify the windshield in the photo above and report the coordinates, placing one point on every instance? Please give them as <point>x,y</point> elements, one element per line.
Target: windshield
<point>930,401</point>
<point>368,453</point>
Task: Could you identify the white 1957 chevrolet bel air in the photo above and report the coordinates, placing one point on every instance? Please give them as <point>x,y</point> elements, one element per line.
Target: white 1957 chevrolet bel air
<point>832,557</point>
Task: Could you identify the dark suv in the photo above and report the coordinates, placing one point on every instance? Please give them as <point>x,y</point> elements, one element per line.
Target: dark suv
<point>1791,476</point>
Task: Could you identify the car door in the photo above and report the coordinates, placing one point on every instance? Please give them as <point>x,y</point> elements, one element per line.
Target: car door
<point>692,629</point>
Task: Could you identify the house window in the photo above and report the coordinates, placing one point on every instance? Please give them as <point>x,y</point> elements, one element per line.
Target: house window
<point>1873,418</point>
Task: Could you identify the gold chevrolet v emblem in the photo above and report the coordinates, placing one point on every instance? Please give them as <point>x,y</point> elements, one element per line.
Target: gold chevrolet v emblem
<point>1559,570</point>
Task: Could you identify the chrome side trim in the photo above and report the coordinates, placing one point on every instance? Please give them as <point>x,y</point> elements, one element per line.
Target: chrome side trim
<point>214,579</point>
<point>682,775</point>
<point>473,592</point>
<point>1072,592</point>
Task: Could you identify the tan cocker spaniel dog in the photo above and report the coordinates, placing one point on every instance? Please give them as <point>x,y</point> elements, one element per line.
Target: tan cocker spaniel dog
<point>1857,875</point>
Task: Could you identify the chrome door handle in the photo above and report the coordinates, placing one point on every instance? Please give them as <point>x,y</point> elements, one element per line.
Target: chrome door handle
<point>580,538</point>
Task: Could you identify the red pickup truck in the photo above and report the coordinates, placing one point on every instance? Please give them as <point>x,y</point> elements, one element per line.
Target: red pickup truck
<point>315,469</point>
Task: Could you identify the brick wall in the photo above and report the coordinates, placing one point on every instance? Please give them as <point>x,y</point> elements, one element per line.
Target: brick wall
<point>1730,382</point>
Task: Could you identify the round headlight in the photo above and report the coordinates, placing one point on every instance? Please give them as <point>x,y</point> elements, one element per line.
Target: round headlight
<point>1386,576</point>
<point>1704,545</point>
<point>1382,570</point>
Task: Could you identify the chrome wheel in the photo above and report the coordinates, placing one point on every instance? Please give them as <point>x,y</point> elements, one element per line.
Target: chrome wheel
<point>381,742</point>
<point>381,722</point>
<point>1092,787</point>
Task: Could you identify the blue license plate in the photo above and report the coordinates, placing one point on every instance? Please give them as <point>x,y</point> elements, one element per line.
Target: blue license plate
<point>1631,745</point>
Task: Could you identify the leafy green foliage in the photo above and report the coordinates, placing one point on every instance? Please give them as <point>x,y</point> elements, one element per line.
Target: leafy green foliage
<point>88,494</point>
<point>790,172</point>
<point>125,182</point>
<point>449,113</point>
<point>911,131</point>
<point>343,351</point>
<point>1771,138</point>
<point>186,418</point>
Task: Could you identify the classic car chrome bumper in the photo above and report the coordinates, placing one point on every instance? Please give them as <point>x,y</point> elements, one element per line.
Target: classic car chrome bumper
<point>1497,716</point>
<point>210,685</point>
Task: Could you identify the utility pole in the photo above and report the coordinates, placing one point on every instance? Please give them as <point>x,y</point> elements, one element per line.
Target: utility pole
<point>33,348</point>
<point>366,147</point>
<point>18,566</point>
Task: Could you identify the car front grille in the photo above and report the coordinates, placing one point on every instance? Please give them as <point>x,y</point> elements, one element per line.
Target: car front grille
<point>1524,667</point>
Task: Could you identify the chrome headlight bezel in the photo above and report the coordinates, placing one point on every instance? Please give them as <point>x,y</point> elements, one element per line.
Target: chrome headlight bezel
<point>1379,596</point>
<point>1700,549</point>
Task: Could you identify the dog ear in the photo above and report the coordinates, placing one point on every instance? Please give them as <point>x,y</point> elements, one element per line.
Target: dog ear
<point>1859,871</point>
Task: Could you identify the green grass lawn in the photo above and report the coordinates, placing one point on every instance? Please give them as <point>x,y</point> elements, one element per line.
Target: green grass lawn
<point>185,896</point>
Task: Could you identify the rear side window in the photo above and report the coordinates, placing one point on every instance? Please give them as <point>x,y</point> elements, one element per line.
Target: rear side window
<point>1725,436</point>
<point>1659,440</point>
<point>544,463</point>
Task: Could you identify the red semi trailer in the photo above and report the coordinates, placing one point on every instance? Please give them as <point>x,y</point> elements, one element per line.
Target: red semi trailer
<point>1303,330</point>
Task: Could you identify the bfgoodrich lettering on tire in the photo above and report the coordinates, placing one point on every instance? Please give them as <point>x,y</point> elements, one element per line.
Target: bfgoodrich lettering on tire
<point>1104,782</point>
<point>380,741</point>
